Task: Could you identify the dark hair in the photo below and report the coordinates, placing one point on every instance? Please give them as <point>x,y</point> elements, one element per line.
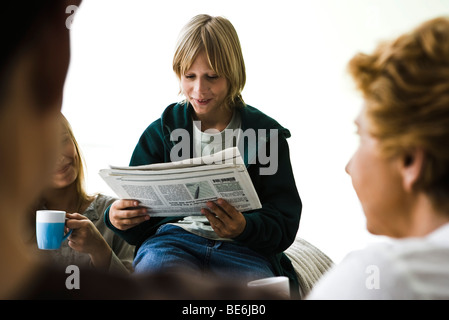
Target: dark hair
<point>21,23</point>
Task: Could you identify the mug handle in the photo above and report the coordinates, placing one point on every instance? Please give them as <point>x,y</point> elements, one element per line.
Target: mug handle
<point>67,235</point>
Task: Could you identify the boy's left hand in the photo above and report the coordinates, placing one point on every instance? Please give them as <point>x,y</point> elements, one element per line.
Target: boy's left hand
<point>224,218</point>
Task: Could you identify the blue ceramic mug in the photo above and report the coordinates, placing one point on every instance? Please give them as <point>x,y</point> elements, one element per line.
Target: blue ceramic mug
<point>50,229</point>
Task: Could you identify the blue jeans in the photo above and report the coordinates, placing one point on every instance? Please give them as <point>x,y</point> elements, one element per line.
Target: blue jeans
<point>173,248</point>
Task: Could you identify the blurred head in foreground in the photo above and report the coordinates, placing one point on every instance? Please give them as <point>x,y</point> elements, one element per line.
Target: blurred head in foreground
<point>33,65</point>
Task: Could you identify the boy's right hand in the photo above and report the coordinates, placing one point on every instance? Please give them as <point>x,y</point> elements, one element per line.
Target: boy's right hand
<point>125,214</point>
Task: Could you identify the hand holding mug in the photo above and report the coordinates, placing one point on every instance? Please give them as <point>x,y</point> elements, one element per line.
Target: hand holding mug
<point>86,238</point>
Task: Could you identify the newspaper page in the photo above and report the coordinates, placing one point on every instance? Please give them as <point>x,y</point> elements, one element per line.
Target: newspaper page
<point>182,188</point>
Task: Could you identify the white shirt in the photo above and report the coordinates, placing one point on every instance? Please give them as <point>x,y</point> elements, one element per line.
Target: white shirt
<point>411,268</point>
<point>212,141</point>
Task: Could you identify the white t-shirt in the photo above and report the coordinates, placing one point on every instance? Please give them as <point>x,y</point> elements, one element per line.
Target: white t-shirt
<point>411,268</point>
<point>212,141</point>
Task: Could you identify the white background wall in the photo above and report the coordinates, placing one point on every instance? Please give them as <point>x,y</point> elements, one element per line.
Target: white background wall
<point>296,52</point>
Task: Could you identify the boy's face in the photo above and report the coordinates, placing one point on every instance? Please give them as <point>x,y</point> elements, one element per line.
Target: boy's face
<point>204,89</point>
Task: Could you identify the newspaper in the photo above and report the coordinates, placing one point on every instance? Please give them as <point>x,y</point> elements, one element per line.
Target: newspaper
<point>182,188</point>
